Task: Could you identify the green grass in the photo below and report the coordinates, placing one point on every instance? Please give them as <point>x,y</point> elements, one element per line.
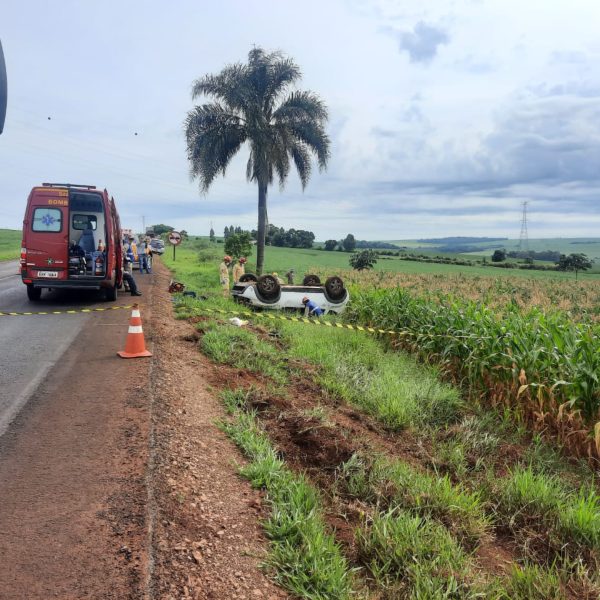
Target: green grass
<point>388,385</point>
<point>398,485</point>
<point>241,348</point>
<point>570,521</point>
<point>306,559</point>
<point>10,244</point>
<point>304,261</point>
<point>413,556</point>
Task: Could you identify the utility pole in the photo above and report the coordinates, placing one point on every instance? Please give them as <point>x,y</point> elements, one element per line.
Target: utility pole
<point>524,237</point>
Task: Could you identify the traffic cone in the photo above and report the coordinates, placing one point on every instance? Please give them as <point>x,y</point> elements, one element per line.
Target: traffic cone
<point>135,346</point>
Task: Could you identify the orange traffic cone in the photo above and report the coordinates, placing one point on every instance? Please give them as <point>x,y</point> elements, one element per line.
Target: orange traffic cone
<point>135,345</point>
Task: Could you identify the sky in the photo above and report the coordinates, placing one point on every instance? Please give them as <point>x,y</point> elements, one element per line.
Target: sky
<point>444,116</point>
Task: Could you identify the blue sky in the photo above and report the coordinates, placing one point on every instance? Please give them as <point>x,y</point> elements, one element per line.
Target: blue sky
<point>444,116</point>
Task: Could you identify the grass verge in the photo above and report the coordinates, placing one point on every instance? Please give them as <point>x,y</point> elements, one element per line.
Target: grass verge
<point>306,559</point>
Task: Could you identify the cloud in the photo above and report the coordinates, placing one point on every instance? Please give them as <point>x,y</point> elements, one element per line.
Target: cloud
<point>422,43</point>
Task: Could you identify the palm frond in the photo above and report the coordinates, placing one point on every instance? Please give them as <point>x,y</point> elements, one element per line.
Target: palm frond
<point>300,106</point>
<point>213,137</point>
<point>313,135</point>
<point>301,158</point>
<point>230,86</point>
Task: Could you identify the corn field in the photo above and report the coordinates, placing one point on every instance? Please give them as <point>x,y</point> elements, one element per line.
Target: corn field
<point>581,299</point>
<point>542,364</point>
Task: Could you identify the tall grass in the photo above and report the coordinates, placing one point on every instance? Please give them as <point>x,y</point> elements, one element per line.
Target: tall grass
<point>542,363</point>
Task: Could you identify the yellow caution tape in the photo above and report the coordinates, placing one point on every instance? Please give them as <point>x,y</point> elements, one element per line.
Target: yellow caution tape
<point>70,311</point>
<point>279,317</point>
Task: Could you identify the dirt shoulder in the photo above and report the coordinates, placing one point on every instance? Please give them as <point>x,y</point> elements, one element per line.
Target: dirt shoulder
<point>207,539</point>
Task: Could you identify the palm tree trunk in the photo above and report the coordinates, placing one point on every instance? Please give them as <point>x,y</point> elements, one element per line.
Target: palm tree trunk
<point>262,225</point>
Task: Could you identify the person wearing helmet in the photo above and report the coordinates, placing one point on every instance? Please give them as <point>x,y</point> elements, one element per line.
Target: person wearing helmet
<point>311,309</point>
<point>239,269</point>
<point>279,280</point>
<point>224,274</point>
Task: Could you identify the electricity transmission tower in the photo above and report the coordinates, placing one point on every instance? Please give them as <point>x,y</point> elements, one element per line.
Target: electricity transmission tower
<point>524,238</point>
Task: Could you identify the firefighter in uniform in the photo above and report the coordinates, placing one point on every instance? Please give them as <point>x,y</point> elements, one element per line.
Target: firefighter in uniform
<point>224,275</point>
<point>239,269</point>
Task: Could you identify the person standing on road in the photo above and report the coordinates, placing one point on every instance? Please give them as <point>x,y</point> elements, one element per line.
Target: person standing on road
<point>311,309</point>
<point>224,275</point>
<point>239,269</point>
<point>145,257</point>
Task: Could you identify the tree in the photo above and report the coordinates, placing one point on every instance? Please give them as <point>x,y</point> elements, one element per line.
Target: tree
<point>184,234</point>
<point>574,262</point>
<point>211,236</point>
<point>365,259</point>
<point>252,103</point>
<point>238,244</point>
<point>226,232</point>
<point>330,245</point>
<point>160,229</point>
<point>499,255</point>
<point>349,243</point>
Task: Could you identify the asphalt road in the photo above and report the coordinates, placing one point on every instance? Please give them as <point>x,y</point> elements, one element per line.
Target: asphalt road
<point>30,346</point>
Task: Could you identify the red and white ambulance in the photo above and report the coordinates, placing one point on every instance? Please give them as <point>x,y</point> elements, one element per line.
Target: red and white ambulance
<point>71,240</point>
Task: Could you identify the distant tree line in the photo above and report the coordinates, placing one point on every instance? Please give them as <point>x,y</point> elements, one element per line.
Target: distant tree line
<point>287,238</point>
<point>348,244</point>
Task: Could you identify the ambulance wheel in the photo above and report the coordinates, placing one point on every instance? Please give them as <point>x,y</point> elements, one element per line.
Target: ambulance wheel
<point>334,287</point>
<point>111,293</point>
<point>268,286</point>
<point>246,277</point>
<point>311,280</point>
<point>33,293</point>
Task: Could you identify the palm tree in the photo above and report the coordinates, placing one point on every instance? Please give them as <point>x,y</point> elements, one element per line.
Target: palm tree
<point>253,103</point>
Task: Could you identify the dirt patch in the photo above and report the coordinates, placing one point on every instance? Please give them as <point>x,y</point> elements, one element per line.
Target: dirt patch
<point>207,540</point>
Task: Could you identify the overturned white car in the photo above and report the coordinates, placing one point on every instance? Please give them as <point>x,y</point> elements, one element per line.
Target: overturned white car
<point>266,291</point>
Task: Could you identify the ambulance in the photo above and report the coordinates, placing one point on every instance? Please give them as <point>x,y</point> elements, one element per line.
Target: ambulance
<point>71,240</point>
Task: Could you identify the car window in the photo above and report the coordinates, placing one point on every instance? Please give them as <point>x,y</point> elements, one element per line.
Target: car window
<point>85,222</point>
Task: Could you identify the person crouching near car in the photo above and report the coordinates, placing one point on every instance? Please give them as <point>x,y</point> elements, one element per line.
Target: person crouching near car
<point>224,275</point>
<point>239,269</point>
<point>311,309</point>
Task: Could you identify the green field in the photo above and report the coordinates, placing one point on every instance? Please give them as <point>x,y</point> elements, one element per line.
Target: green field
<point>10,244</point>
<point>303,261</point>
<point>445,487</point>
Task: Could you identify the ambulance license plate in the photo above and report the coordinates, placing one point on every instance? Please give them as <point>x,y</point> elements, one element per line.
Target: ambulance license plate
<point>48,274</point>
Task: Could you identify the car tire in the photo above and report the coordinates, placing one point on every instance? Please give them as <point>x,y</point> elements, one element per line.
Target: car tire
<point>33,293</point>
<point>246,277</point>
<point>311,280</point>
<point>268,286</point>
<point>334,287</point>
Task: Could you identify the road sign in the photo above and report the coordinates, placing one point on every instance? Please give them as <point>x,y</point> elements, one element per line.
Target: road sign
<point>175,238</point>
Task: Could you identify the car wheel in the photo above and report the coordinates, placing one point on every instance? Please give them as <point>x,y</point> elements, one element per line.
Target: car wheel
<point>33,293</point>
<point>335,289</point>
<point>311,280</point>
<point>268,286</point>
<point>246,277</point>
